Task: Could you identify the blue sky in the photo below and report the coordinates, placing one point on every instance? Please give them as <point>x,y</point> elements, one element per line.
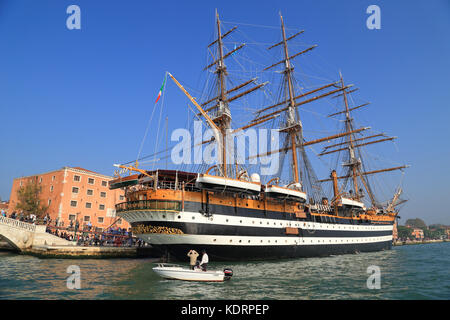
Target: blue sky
<point>83,97</point>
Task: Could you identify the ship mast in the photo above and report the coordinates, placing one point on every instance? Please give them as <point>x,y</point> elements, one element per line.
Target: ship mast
<point>293,126</point>
<point>223,116</point>
<point>220,111</point>
<point>353,162</point>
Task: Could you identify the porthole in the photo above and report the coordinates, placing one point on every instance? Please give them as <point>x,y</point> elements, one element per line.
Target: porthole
<point>179,217</point>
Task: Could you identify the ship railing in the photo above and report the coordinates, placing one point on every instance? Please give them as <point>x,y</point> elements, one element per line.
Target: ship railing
<point>156,205</point>
<point>176,186</point>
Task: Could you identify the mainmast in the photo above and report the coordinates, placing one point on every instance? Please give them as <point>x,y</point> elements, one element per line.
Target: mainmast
<point>353,163</point>
<point>293,126</point>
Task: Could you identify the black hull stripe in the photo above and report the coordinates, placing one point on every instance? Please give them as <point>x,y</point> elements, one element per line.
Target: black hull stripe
<point>248,253</point>
<point>254,213</point>
<point>219,229</point>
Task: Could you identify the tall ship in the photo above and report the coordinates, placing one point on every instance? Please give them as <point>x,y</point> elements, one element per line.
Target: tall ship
<point>235,212</point>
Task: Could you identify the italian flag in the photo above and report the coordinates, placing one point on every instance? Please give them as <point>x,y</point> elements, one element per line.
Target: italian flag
<point>160,90</point>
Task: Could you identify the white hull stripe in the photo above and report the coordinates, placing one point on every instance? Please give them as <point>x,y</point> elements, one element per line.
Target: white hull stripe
<point>165,239</point>
<point>219,219</point>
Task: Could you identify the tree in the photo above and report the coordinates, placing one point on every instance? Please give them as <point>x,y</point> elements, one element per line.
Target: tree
<point>416,223</point>
<point>404,232</point>
<point>28,200</point>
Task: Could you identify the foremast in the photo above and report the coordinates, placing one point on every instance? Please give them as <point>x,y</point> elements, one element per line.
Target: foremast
<point>352,146</point>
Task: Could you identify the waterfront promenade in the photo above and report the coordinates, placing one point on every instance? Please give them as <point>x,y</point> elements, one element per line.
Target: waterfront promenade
<point>51,241</point>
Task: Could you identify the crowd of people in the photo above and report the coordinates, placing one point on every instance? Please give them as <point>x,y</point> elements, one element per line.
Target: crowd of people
<point>29,218</point>
<point>112,236</point>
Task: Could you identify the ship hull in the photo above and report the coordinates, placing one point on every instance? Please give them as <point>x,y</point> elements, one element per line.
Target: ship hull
<point>178,251</point>
<point>244,237</point>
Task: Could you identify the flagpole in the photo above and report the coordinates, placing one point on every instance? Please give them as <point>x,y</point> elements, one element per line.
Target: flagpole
<point>150,120</point>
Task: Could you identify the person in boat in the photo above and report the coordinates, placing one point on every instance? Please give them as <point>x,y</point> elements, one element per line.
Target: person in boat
<point>192,254</point>
<point>205,260</point>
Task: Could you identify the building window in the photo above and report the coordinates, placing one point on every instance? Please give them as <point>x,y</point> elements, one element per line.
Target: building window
<point>49,201</point>
<point>40,180</point>
<point>104,183</point>
<point>121,197</point>
<point>53,178</point>
<point>88,205</point>
<point>101,207</point>
<point>76,178</point>
<point>91,180</point>
<point>73,203</point>
<point>71,217</point>
<point>100,219</point>
<point>75,190</point>
<point>103,194</point>
<point>87,218</point>
<point>90,192</point>
<point>51,188</point>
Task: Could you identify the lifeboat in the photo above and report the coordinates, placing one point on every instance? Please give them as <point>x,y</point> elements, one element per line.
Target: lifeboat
<point>277,192</point>
<point>351,203</point>
<point>124,182</point>
<point>216,183</point>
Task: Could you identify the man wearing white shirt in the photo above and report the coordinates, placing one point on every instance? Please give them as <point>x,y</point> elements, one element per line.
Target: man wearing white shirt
<point>205,260</point>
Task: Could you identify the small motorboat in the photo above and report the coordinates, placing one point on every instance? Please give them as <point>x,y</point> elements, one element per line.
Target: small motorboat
<point>177,272</point>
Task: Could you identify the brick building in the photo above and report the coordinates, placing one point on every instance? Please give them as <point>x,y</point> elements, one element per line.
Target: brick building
<point>417,233</point>
<point>4,206</point>
<point>75,193</point>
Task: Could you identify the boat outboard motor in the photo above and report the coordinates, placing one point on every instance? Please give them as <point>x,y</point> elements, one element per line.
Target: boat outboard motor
<point>228,273</point>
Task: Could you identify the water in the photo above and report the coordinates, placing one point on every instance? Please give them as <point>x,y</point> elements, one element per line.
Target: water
<point>407,272</point>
